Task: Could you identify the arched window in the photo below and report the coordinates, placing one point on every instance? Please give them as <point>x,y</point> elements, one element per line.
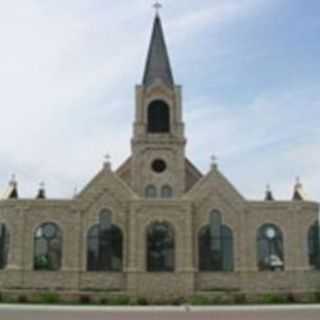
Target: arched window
<point>166,192</point>
<point>270,253</point>
<point>158,117</point>
<point>104,252</point>
<point>314,246</point>
<point>160,248</point>
<point>4,246</point>
<point>48,247</point>
<point>215,248</point>
<point>150,192</point>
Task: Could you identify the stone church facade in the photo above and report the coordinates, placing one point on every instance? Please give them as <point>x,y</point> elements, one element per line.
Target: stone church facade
<point>158,227</point>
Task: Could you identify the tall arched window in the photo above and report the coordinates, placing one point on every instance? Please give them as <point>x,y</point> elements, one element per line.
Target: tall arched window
<point>314,246</point>
<point>270,252</point>
<point>166,192</point>
<point>158,117</point>
<point>150,192</point>
<point>4,246</point>
<point>48,247</point>
<point>160,248</point>
<point>104,252</point>
<point>215,249</point>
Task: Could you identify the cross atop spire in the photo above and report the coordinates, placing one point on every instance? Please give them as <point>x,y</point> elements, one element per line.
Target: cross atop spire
<point>157,6</point>
<point>158,63</point>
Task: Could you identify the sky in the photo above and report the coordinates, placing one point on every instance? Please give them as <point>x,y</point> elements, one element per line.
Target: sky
<point>249,69</point>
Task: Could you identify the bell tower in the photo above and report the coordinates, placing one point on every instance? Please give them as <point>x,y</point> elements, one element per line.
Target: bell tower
<point>158,144</point>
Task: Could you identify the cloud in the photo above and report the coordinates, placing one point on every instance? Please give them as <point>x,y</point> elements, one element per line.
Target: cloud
<point>67,75</point>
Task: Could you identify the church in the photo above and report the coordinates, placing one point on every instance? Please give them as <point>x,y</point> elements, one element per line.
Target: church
<point>157,227</point>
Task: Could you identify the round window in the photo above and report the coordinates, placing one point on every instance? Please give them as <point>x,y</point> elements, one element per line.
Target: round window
<point>49,231</point>
<point>159,166</point>
<point>271,233</point>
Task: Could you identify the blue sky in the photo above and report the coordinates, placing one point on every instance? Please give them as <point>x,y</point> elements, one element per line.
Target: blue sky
<point>249,69</point>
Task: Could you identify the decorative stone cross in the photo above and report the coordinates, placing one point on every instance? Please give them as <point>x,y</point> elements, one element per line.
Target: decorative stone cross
<point>214,162</point>
<point>107,162</point>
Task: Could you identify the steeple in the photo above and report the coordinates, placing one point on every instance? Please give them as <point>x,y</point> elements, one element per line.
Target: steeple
<point>158,64</point>
<point>298,194</point>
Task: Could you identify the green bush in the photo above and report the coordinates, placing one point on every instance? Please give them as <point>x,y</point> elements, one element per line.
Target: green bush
<point>200,301</point>
<point>104,301</point>
<point>49,298</point>
<point>85,299</point>
<point>272,298</point>
<point>317,296</point>
<point>119,300</point>
<point>142,302</point>
<point>22,299</point>
<point>179,302</point>
<point>291,298</point>
<point>240,298</point>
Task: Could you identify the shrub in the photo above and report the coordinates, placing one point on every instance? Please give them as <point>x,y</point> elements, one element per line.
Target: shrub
<point>142,302</point>
<point>199,301</point>
<point>317,296</point>
<point>240,298</point>
<point>22,299</point>
<point>291,298</point>
<point>84,299</point>
<point>274,298</point>
<point>119,300</point>
<point>49,298</point>
<point>105,301</point>
<point>178,302</point>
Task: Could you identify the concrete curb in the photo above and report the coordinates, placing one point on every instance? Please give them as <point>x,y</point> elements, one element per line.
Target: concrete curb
<point>169,309</point>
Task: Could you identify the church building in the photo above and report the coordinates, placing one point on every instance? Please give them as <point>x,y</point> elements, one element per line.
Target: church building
<point>157,227</point>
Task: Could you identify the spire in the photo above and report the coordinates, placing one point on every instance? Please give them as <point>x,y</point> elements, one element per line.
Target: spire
<point>298,194</point>
<point>158,64</point>
<point>12,190</point>
<point>269,195</point>
<point>41,192</point>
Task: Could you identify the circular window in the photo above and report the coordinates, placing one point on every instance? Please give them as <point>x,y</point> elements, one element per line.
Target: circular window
<point>49,231</point>
<point>271,233</point>
<point>159,166</point>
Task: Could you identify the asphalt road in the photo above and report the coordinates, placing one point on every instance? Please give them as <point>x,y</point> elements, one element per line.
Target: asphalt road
<point>160,315</point>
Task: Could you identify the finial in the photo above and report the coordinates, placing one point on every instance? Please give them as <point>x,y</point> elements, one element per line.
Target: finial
<point>42,192</point>
<point>13,181</point>
<point>298,183</point>
<point>157,6</point>
<point>269,195</point>
<point>214,162</point>
<point>298,190</point>
<point>107,162</point>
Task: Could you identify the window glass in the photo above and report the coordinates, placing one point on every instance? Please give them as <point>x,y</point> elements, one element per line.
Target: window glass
<point>270,253</point>
<point>48,247</point>
<point>160,248</point>
<point>4,246</point>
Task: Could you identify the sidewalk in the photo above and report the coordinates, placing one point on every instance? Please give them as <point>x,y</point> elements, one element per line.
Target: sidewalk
<point>139,309</point>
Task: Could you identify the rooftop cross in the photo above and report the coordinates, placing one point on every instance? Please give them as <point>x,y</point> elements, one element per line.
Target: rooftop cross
<point>157,6</point>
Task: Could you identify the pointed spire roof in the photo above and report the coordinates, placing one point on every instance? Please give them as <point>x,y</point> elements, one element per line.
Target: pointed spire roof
<point>269,194</point>
<point>158,64</point>
<point>41,192</point>
<point>12,190</point>
<point>299,194</point>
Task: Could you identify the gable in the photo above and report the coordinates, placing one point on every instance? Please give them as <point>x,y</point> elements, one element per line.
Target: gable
<point>108,183</point>
<point>217,185</point>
